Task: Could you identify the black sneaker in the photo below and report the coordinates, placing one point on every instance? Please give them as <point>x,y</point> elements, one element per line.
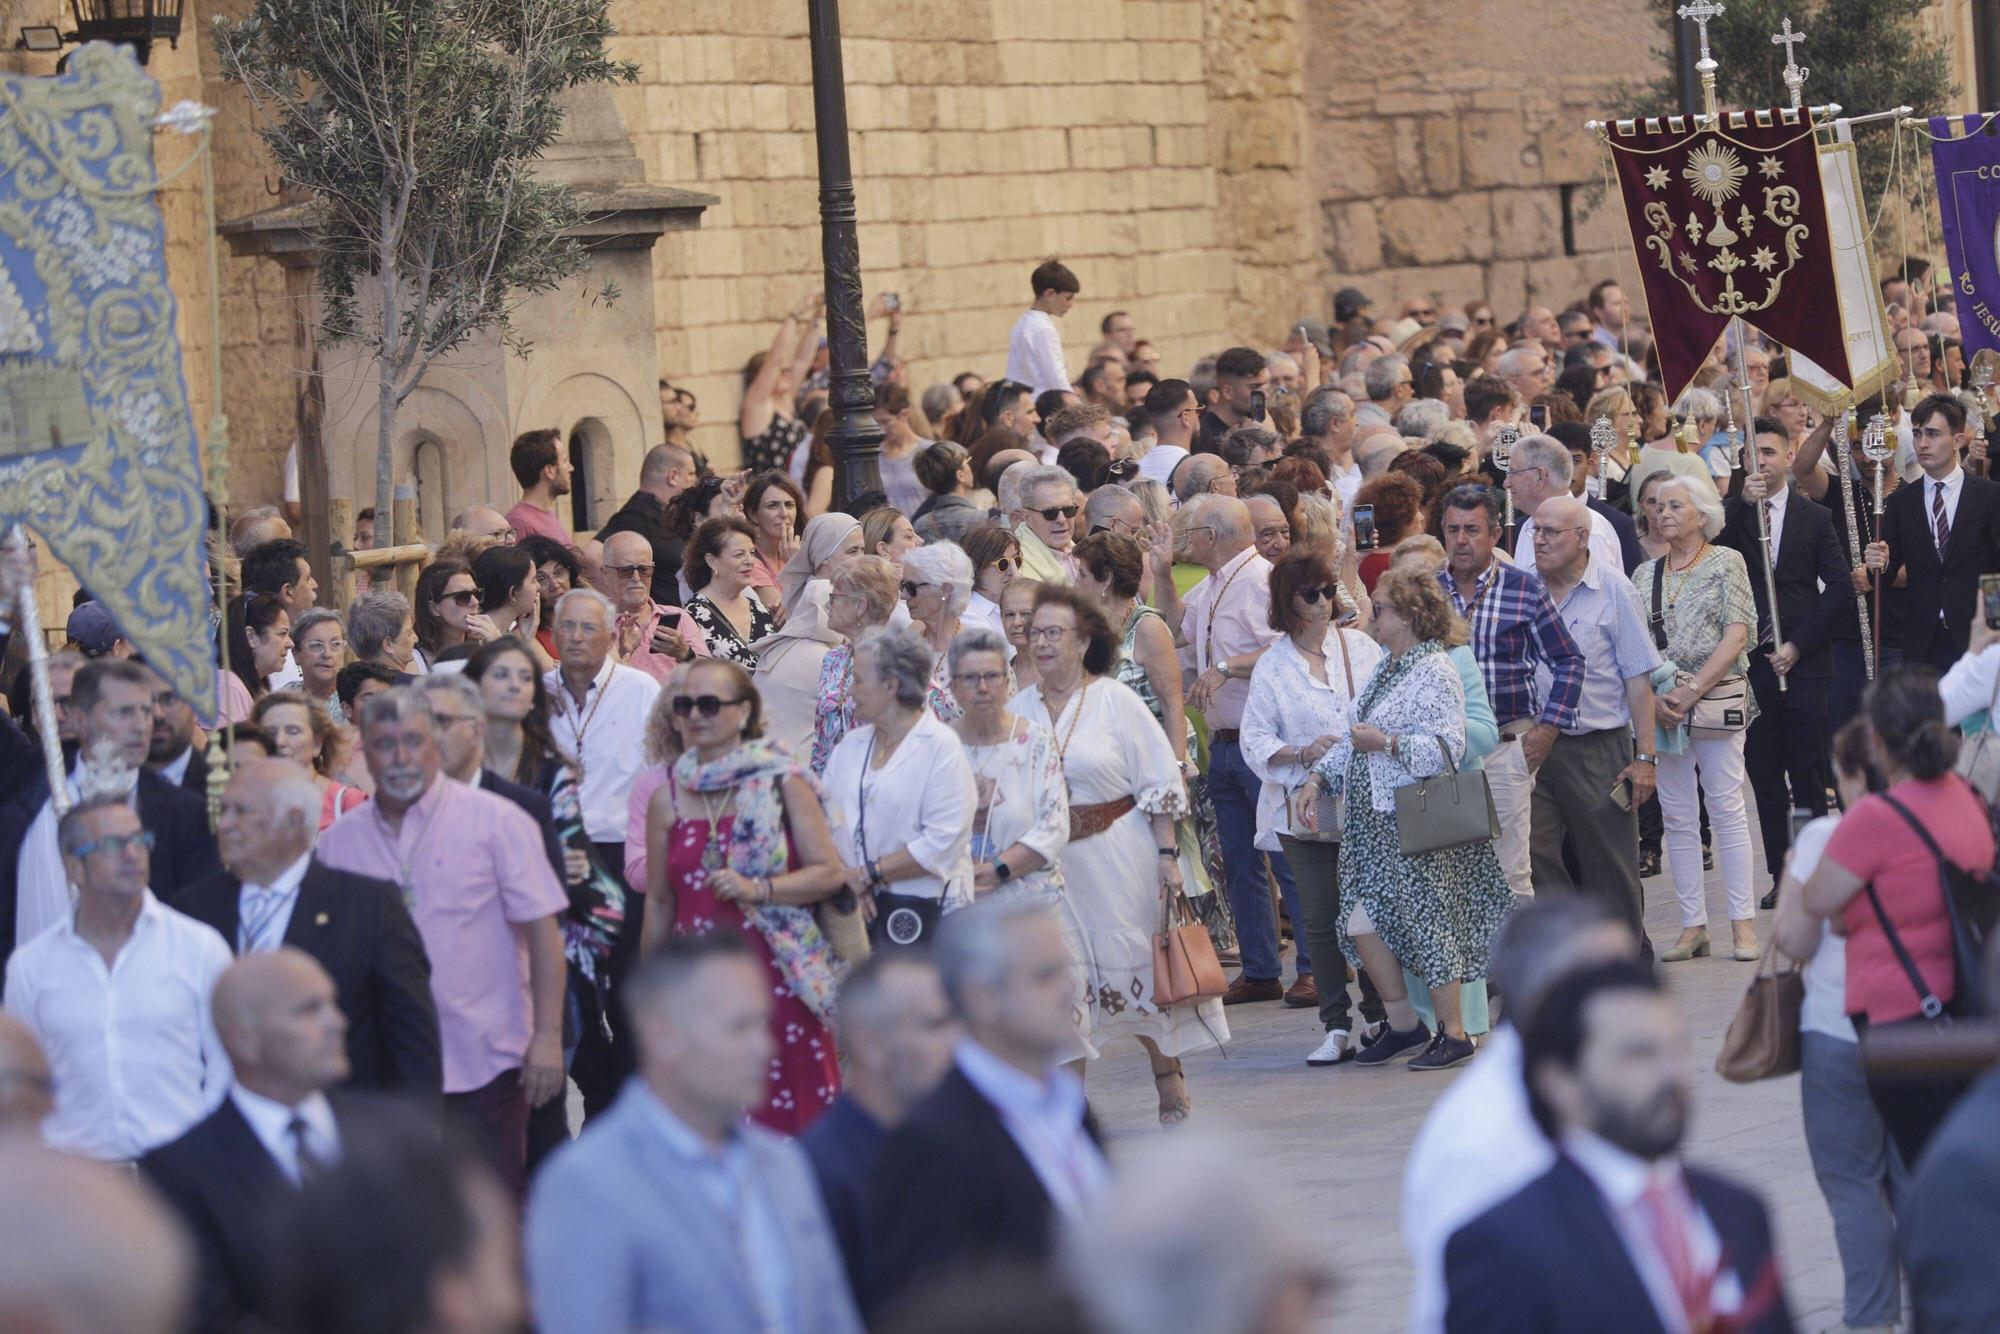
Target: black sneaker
<point>1393,1044</point>
<point>1707,858</point>
<point>1649,862</point>
<point>1444,1052</point>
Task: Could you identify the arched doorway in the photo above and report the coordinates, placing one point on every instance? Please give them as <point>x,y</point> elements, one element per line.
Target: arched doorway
<point>590,480</point>
<point>427,474</point>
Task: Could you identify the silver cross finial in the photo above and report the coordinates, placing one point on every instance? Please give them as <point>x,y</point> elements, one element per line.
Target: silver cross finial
<point>1795,74</point>
<point>1603,436</point>
<point>1876,444</point>
<point>1502,446</point>
<point>1702,12</point>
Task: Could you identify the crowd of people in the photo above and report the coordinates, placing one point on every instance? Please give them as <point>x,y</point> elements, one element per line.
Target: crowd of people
<point>822,852</point>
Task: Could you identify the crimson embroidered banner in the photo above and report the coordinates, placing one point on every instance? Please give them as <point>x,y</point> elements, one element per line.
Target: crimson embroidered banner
<point>1729,222</point>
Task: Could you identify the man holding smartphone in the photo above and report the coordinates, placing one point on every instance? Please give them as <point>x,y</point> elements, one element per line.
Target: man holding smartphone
<point>1589,789</point>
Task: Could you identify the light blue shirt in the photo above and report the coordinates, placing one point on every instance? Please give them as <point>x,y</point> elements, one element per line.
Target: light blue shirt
<point>1606,620</point>
<point>728,1180</point>
<point>1045,1119</point>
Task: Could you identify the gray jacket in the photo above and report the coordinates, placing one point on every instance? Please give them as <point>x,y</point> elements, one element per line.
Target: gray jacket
<point>618,1237</point>
<point>948,518</point>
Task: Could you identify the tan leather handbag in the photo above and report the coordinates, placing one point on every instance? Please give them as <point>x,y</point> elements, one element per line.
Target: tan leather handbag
<point>1185,969</point>
<point>1763,1038</point>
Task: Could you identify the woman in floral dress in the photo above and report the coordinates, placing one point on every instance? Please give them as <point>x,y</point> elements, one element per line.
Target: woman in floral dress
<point>736,840</point>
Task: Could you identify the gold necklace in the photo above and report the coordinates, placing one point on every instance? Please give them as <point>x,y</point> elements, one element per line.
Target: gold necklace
<point>1062,746</point>
<point>713,855</point>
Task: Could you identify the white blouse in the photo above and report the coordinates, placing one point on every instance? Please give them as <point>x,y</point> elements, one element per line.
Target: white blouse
<point>1288,707</point>
<point>920,801</point>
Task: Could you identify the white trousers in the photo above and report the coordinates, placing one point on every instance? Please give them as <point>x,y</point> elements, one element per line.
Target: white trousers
<point>1721,765</point>
<point>1513,787</point>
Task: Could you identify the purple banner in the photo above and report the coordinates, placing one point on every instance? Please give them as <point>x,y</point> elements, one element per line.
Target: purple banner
<point>1968,186</point>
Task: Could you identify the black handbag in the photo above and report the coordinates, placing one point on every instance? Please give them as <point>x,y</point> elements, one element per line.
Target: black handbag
<point>905,920</point>
<point>1970,903</point>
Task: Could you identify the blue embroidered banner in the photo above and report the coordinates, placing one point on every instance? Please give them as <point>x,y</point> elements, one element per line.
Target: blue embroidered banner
<point>97,445</point>
<point>1968,186</point>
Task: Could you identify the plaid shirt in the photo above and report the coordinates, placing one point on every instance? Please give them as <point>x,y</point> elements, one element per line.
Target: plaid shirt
<point>1514,627</point>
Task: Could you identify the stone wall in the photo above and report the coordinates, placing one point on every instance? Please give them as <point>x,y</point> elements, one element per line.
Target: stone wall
<point>1448,154</point>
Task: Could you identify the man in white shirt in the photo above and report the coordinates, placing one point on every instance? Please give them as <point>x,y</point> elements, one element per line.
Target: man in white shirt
<point>117,993</point>
<point>1034,348</point>
<point>1174,410</point>
<point>1479,1144</point>
<point>282,1025</point>
<point>1540,469</point>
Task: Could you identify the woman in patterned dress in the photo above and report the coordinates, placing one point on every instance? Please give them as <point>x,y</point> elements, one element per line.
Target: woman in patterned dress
<point>1434,913</point>
<point>720,562</point>
<point>1125,795</point>
<point>736,840</point>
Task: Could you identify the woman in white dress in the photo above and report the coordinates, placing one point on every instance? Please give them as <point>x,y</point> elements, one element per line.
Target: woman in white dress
<point>899,794</point>
<point>1125,794</point>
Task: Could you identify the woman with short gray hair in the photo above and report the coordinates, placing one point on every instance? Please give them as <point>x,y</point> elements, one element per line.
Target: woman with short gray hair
<point>936,586</point>
<point>380,630</point>
<point>900,795</point>
<point>1021,823</point>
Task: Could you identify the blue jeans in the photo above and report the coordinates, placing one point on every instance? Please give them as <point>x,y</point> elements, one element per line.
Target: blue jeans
<point>1234,788</point>
<point>1859,1174</point>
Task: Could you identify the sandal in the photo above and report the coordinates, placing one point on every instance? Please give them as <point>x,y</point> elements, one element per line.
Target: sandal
<point>1173,1111</point>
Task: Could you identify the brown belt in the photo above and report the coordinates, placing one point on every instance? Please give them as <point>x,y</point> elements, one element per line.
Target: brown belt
<point>1231,735</point>
<point>1090,821</point>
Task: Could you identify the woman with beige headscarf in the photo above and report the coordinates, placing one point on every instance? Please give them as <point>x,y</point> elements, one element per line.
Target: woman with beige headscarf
<point>789,658</point>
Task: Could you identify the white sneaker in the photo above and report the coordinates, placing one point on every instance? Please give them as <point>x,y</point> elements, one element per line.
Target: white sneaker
<point>1333,1050</point>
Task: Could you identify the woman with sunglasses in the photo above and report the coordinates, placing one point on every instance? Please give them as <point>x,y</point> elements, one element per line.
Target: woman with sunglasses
<point>1122,859</point>
<point>721,560</point>
<point>936,585</point>
<point>737,841</point>
<point>1300,709</point>
<point>996,559</point>
<point>447,612</point>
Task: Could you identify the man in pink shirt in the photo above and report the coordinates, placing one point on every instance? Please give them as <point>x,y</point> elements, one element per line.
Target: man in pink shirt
<point>654,638</point>
<point>542,468</point>
<point>474,872</point>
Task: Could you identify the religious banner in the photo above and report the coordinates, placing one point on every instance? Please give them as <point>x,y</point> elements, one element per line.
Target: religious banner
<point>1728,221</point>
<point>1967,163</point>
<point>97,445</point>
<point>1871,355</point>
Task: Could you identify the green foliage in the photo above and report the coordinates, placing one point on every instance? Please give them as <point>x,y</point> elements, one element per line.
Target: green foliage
<point>1866,55</point>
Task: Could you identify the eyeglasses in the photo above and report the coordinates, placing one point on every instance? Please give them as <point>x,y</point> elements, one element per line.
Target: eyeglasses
<point>1192,529</point>
<point>114,844</point>
<point>326,648</point>
<point>1055,512</point>
<point>707,705</point>
<point>643,573</point>
<point>1544,534</point>
<point>1312,595</point>
<point>911,588</point>
<point>1051,633</point>
<point>1379,607</point>
<point>1005,565</point>
<point>465,597</point>
<point>980,680</point>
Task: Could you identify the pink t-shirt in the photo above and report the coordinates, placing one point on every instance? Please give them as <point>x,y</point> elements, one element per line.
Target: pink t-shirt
<point>474,871</point>
<point>534,519</point>
<point>1876,844</point>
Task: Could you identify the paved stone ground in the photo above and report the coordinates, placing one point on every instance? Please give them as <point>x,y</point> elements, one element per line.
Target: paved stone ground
<point>1338,1136</point>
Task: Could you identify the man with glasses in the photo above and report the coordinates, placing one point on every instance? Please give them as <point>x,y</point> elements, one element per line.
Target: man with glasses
<point>1175,412</point>
<point>112,703</point>
<point>474,870</point>
<point>1527,370</point>
<point>667,471</point>
<point>483,521</point>
<point>171,751</point>
<point>1588,791</point>
<point>117,991</point>
<point>1575,326</point>
<point>1113,509</point>
<point>1047,530</point>
<point>651,637</point>
<point>1540,470</point>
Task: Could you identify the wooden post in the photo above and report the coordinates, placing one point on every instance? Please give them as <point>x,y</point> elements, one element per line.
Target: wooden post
<point>340,563</point>
<point>309,414</point>
<point>404,528</point>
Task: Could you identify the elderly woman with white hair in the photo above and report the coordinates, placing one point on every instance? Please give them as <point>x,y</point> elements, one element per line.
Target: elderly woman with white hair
<point>1703,617</point>
<point>936,587</point>
<point>900,795</point>
<point>790,658</point>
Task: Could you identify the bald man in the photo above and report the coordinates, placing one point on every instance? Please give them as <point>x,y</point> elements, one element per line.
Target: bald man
<point>280,1022</point>
<point>666,471</point>
<point>27,1086</point>
<point>275,892</point>
<point>651,635</point>
<point>480,521</point>
<point>89,1250</point>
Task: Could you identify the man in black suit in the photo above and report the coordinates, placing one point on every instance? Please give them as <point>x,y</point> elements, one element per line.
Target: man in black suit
<point>1646,1243</point>
<point>982,1169</point>
<point>1785,751</point>
<point>276,894</point>
<point>111,701</point>
<point>1939,536</point>
<point>228,1176</point>
<point>1575,437</point>
<point>172,753</point>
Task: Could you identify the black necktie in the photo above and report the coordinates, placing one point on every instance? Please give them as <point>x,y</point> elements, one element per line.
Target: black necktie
<point>309,1164</point>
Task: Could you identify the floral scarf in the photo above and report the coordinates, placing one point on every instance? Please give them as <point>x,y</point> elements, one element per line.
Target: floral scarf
<point>757,769</point>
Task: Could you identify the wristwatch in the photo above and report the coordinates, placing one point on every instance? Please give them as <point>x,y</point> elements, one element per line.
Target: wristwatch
<point>1653,760</point>
<point>1002,871</point>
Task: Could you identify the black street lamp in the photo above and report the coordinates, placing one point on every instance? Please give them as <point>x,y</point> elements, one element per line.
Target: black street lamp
<point>855,440</point>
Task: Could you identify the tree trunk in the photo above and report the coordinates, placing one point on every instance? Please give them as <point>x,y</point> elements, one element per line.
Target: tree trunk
<point>385,367</point>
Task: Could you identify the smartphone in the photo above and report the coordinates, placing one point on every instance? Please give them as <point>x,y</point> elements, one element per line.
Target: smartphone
<point>892,301</point>
<point>1989,598</point>
<point>1621,793</point>
<point>1538,417</point>
<point>1364,527</point>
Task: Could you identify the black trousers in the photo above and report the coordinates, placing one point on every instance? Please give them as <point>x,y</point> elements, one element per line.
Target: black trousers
<point>1785,755</point>
<point>602,1065</point>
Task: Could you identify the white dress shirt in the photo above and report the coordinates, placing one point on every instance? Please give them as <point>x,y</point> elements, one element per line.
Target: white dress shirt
<point>607,735</point>
<point>1953,487</point>
<point>1622,1179</point>
<point>133,1046</point>
<point>271,1123</point>
<point>1158,463</point>
<point>1969,687</point>
<point>42,894</point>
<point>287,675</point>
<point>1605,552</point>
<point>264,912</point>
<point>1035,353</point>
<point>1044,1118</point>
<point>1288,706</point>
<point>921,801</point>
<point>175,770</point>
<point>1780,506</point>
<point>1478,1145</point>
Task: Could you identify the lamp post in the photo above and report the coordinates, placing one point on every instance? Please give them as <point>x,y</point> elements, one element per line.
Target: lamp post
<point>855,440</point>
